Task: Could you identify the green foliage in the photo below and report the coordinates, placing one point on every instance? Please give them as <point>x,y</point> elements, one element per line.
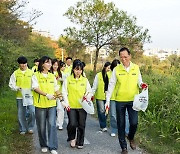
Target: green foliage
<point>160,122</point>
<point>101,24</point>
<point>11,141</point>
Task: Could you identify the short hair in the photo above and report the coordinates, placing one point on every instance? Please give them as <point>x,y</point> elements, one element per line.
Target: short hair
<point>124,49</point>
<point>22,60</point>
<point>68,58</point>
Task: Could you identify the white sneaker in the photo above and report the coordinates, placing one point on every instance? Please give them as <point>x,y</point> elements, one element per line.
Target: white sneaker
<point>113,134</point>
<point>60,128</point>
<point>30,131</point>
<point>53,152</point>
<point>45,149</point>
<point>104,129</point>
<point>22,133</point>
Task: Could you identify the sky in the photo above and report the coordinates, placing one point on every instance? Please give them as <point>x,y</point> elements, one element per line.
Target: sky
<point>161,17</point>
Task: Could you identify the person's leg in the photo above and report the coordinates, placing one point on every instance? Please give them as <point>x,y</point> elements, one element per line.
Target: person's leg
<point>31,117</point>
<point>101,113</point>
<point>72,124</point>
<point>113,121</point>
<point>127,123</point>
<point>21,116</point>
<point>52,131</point>
<point>133,121</point>
<point>81,127</point>
<point>40,114</point>
<point>120,112</point>
<point>60,115</point>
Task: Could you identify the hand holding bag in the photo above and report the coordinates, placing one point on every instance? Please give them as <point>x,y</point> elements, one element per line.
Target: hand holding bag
<point>27,97</point>
<point>141,101</point>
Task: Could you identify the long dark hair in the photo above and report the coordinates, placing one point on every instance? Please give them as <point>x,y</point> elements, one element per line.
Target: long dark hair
<point>104,75</point>
<point>114,63</point>
<point>58,69</point>
<point>42,61</point>
<point>77,64</point>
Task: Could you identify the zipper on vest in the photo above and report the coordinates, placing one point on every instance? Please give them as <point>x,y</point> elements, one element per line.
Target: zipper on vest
<point>38,98</point>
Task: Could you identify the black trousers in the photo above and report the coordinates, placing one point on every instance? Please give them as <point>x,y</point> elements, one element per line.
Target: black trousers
<point>77,123</point>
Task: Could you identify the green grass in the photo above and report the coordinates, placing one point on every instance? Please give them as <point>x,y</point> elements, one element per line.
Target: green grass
<point>10,139</point>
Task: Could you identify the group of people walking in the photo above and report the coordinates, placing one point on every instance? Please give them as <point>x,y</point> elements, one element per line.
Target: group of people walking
<point>57,88</point>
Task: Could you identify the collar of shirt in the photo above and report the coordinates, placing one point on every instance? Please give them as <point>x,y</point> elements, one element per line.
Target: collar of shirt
<point>127,68</point>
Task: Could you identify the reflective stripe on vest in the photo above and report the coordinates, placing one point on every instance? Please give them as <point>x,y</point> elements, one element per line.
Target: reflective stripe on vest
<point>127,83</point>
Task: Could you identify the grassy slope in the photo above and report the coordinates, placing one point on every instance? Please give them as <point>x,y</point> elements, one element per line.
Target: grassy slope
<point>10,139</point>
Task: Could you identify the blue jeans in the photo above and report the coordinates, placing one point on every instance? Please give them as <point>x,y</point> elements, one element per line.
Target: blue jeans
<point>113,121</point>
<point>133,120</point>
<point>46,118</point>
<point>26,116</point>
<point>101,112</point>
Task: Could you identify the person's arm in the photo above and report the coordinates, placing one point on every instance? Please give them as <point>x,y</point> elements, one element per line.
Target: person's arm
<point>111,85</point>
<point>65,95</point>
<point>95,85</point>
<point>35,87</point>
<point>88,91</point>
<point>12,83</point>
<point>141,84</point>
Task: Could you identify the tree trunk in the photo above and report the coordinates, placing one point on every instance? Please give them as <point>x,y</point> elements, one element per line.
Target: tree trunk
<point>95,62</point>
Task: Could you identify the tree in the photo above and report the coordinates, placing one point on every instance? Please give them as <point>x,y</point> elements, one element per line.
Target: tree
<point>101,24</point>
<point>174,60</point>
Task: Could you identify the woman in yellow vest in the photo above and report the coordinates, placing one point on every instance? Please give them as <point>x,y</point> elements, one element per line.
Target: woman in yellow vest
<point>75,87</point>
<point>19,80</point>
<point>46,90</point>
<point>56,70</point>
<point>99,88</point>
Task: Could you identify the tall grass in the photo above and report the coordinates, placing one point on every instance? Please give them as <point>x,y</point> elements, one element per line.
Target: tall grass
<point>159,126</point>
<point>10,139</point>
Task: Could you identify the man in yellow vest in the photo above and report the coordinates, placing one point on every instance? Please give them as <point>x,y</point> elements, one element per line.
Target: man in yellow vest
<point>68,68</point>
<point>127,78</point>
<point>19,80</point>
<point>35,67</point>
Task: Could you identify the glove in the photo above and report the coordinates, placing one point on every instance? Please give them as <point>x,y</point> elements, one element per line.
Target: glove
<point>50,96</point>
<point>68,108</point>
<point>144,86</point>
<point>92,98</point>
<point>106,108</point>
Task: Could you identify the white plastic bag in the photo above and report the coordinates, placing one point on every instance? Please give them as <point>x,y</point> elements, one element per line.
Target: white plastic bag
<point>88,106</point>
<point>141,101</point>
<point>27,97</point>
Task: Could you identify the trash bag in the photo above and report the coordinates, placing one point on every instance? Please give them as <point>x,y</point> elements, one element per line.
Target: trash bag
<point>87,105</point>
<point>140,102</point>
<point>27,97</point>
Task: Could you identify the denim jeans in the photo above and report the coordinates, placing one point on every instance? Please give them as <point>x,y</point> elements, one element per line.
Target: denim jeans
<point>133,120</point>
<point>46,119</point>
<point>77,122</point>
<point>26,116</point>
<point>101,112</point>
<point>113,121</point>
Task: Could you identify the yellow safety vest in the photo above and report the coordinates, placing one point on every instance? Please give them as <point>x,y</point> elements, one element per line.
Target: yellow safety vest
<point>46,84</point>
<point>127,83</point>
<point>58,81</point>
<point>76,89</point>
<point>23,80</point>
<point>35,68</point>
<point>68,69</point>
<point>100,94</point>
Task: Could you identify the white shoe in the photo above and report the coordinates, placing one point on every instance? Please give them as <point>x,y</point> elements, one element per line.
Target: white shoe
<point>104,129</point>
<point>44,149</point>
<point>30,131</point>
<point>53,152</point>
<point>22,133</point>
<point>60,128</point>
<point>113,134</point>
<point>79,146</point>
